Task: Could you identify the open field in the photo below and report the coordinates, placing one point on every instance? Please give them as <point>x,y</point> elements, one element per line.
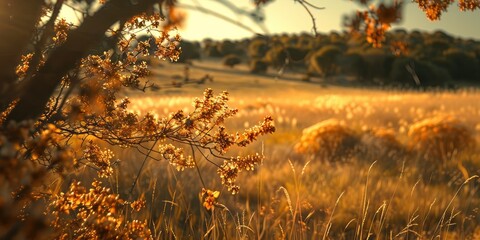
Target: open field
<point>383,184</point>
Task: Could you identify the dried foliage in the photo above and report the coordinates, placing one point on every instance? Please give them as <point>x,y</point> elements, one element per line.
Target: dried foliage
<point>329,140</point>
<point>382,145</point>
<point>95,213</point>
<point>399,48</point>
<point>440,139</point>
<point>209,198</point>
<point>85,112</point>
<point>377,20</point>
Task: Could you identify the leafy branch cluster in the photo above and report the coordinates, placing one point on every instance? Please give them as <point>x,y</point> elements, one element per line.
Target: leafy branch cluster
<point>377,19</point>
<point>63,102</point>
<point>95,213</point>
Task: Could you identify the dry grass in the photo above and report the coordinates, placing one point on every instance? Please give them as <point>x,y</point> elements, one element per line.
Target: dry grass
<point>441,138</point>
<point>329,140</point>
<point>384,189</point>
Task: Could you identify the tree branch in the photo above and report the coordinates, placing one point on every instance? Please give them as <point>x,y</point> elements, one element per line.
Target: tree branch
<point>47,34</point>
<point>34,93</point>
<point>17,24</point>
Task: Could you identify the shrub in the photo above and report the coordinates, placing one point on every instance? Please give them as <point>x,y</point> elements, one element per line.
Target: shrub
<point>231,60</point>
<point>324,61</point>
<point>410,72</point>
<point>435,47</point>
<point>210,48</point>
<point>289,40</point>
<point>463,65</point>
<point>440,138</point>
<point>378,64</point>
<point>305,41</point>
<point>190,51</point>
<point>381,144</point>
<point>329,140</point>
<point>276,56</point>
<point>227,47</point>
<point>257,48</point>
<point>258,66</point>
<point>415,38</point>
<point>280,56</point>
<point>353,64</point>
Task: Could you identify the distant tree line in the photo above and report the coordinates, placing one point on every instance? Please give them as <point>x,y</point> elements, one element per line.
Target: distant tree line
<point>406,59</point>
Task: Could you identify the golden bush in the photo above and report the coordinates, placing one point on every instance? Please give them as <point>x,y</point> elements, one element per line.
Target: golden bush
<point>381,144</point>
<point>440,138</point>
<point>330,140</point>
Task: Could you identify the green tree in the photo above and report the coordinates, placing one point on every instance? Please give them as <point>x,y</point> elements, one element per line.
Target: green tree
<point>231,60</point>
<point>324,61</point>
<point>258,48</point>
<point>414,73</point>
<point>463,66</point>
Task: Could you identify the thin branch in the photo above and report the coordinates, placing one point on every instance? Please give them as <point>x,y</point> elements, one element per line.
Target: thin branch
<point>196,167</point>
<point>305,5</point>
<point>223,17</point>
<point>311,5</point>
<point>141,168</point>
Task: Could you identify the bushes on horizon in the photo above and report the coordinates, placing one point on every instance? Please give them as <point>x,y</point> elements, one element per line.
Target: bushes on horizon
<point>438,34</point>
<point>210,48</point>
<point>305,41</point>
<point>257,48</point>
<point>443,63</point>
<point>288,39</point>
<point>281,55</point>
<point>297,56</point>
<point>434,47</point>
<point>258,66</point>
<point>411,72</point>
<point>190,51</point>
<point>462,64</point>
<point>231,60</point>
<point>276,56</point>
<point>433,63</point>
<point>378,64</point>
<point>324,61</point>
<point>415,38</point>
<point>227,47</point>
<point>353,64</point>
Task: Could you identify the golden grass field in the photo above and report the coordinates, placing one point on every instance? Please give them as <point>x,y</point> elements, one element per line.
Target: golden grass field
<point>371,170</point>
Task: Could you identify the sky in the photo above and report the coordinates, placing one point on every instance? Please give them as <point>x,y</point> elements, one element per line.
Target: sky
<point>286,16</point>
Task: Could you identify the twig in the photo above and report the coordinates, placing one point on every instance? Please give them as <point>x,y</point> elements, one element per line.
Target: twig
<point>141,168</point>
<point>196,166</point>
<point>223,17</point>
<point>306,5</point>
